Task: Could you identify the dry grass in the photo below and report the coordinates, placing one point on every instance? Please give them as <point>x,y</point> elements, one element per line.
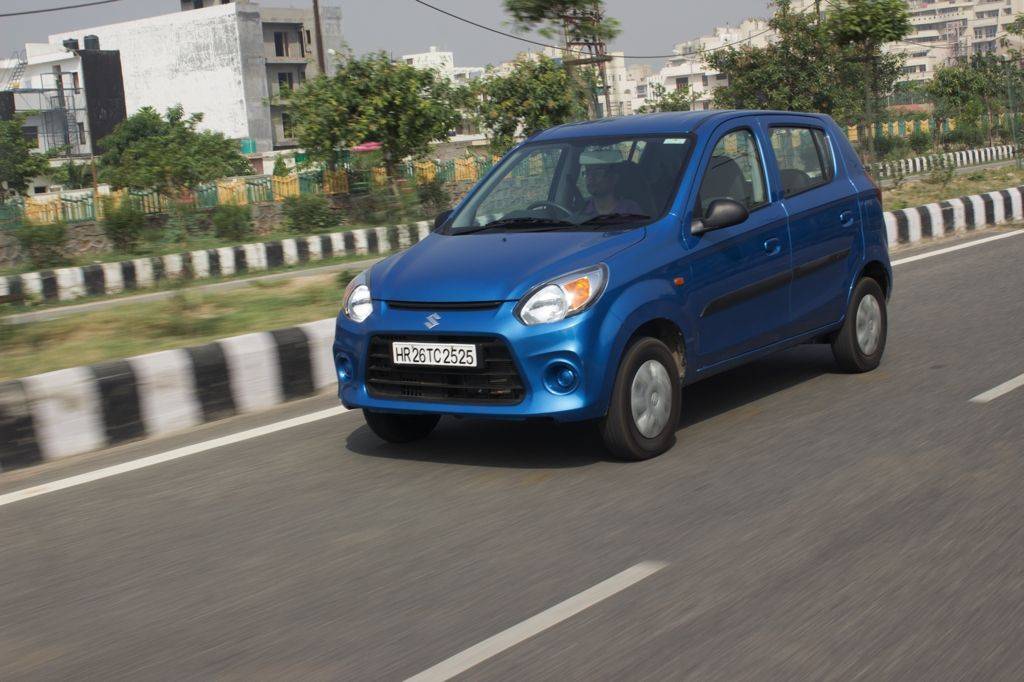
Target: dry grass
<point>932,188</point>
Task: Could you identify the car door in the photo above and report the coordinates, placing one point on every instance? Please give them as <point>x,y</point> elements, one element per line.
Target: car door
<point>824,221</point>
<point>739,275</point>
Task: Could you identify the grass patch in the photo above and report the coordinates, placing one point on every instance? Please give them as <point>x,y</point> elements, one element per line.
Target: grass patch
<point>928,189</point>
<point>186,319</point>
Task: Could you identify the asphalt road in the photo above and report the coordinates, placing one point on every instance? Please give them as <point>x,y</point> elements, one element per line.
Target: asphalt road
<point>813,525</point>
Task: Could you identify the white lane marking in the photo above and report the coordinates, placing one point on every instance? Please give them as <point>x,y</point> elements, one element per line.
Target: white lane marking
<point>463,661</point>
<point>177,453</point>
<point>950,249</point>
<point>1000,390</point>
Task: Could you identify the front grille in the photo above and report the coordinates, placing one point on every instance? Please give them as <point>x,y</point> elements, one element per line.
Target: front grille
<point>458,305</point>
<point>495,380</point>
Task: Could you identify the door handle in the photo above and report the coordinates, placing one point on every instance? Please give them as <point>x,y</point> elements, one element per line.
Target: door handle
<point>846,218</point>
<point>772,246</point>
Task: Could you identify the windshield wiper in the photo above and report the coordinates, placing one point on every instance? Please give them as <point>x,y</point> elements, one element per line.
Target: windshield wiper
<point>615,218</point>
<point>543,223</point>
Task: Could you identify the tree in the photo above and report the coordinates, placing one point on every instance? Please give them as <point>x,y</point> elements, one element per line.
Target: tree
<point>537,94</point>
<point>571,21</point>
<point>18,163</point>
<point>867,25</point>
<point>168,152</point>
<point>800,70</point>
<point>372,99</point>
<point>680,99</point>
<point>551,18</point>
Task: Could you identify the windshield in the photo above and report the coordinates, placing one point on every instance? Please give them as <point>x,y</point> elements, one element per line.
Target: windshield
<point>578,184</point>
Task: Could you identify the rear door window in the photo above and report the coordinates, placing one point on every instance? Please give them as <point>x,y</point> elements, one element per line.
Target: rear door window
<point>804,158</point>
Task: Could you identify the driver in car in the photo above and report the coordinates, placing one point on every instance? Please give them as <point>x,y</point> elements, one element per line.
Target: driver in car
<point>602,182</point>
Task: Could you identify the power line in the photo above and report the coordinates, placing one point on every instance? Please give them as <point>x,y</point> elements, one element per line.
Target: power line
<point>563,49</point>
<point>58,9</point>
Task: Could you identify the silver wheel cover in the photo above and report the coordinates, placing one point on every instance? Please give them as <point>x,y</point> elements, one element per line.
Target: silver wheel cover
<point>869,324</point>
<point>650,398</point>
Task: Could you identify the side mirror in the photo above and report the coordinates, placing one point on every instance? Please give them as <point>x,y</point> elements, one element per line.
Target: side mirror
<point>441,217</point>
<point>721,213</point>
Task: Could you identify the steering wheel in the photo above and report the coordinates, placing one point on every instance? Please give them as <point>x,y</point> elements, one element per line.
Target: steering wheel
<point>566,213</point>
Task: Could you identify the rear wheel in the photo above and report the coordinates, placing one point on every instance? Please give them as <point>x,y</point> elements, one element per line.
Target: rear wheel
<point>400,428</point>
<point>644,409</point>
<point>859,344</point>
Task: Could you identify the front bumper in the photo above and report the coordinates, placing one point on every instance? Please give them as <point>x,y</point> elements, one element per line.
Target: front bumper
<point>534,350</point>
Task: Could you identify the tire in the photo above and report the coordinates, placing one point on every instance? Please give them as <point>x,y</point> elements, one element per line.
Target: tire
<point>623,436</point>
<point>860,350</point>
<point>400,428</point>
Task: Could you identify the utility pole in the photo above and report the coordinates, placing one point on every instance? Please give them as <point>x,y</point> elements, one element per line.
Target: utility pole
<point>589,49</point>
<point>320,57</point>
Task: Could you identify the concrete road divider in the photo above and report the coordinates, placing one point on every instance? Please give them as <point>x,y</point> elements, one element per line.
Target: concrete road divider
<point>75,410</point>
<point>964,214</point>
<point>100,279</point>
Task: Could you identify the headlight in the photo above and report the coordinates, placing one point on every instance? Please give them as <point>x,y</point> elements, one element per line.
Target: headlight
<point>564,296</point>
<point>357,304</point>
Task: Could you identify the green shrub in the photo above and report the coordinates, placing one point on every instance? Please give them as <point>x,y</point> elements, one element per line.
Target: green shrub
<point>920,142</point>
<point>123,224</point>
<point>433,196</point>
<point>308,213</point>
<point>231,221</point>
<point>44,246</point>
<point>280,167</point>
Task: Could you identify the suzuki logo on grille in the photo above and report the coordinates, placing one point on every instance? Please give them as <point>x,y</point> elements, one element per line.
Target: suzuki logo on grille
<point>433,319</point>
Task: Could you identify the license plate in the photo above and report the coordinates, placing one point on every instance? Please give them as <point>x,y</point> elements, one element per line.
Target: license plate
<point>437,354</point>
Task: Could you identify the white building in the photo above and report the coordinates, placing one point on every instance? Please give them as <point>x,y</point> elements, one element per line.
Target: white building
<point>947,30</point>
<point>627,84</point>
<point>688,68</point>
<point>226,60</point>
<point>444,64</point>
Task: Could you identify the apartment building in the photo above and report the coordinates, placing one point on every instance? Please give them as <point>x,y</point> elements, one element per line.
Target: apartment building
<point>71,97</point>
<point>947,30</point>
<point>229,60</point>
<point>444,64</point>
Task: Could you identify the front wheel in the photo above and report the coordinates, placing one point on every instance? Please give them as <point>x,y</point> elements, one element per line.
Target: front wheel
<point>644,409</point>
<point>400,428</point>
<point>859,344</point>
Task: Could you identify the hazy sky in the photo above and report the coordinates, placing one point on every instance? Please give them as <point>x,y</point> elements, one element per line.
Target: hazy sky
<point>402,26</point>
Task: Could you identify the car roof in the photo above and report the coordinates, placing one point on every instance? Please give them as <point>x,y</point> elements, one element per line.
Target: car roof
<point>664,123</point>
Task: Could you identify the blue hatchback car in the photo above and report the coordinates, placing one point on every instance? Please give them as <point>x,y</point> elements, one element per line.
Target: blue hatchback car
<point>603,265</point>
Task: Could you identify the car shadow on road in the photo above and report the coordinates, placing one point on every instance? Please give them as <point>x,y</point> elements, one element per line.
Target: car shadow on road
<point>749,383</point>
<point>492,443</point>
<point>547,445</point>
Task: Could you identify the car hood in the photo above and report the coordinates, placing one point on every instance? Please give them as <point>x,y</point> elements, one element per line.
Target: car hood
<point>490,267</point>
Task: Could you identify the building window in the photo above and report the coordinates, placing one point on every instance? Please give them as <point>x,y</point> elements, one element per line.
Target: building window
<point>309,37</point>
<point>286,126</point>
<point>280,43</point>
<point>682,81</point>
<point>81,133</point>
<point>197,4</point>
<point>39,189</point>
<point>285,82</point>
<point>31,134</point>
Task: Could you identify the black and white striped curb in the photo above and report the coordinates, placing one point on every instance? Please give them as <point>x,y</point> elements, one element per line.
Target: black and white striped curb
<point>67,284</point>
<point>70,411</point>
<point>923,164</point>
<point>911,225</point>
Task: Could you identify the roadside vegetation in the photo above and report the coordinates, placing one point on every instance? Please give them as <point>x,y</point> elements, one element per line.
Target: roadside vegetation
<point>187,319</point>
<point>941,185</point>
